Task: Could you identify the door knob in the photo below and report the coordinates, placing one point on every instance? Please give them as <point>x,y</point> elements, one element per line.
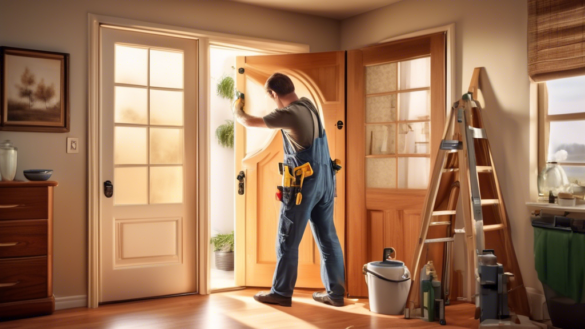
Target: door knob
<point>240,178</point>
<point>339,125</point>
<point>108,189</point>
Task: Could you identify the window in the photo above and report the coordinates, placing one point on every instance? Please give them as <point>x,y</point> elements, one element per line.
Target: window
<point>561,104</point>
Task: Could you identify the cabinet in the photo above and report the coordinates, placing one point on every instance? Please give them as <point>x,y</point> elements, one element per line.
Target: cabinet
<point>26,249</point>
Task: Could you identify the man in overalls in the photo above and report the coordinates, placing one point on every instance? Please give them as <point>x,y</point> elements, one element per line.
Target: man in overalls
<point>304,141</point>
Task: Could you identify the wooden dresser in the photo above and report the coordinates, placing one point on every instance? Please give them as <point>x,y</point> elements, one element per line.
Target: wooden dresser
<point>26,249</point>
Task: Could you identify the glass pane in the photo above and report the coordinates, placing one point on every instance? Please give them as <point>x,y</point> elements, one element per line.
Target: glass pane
<point>566,95</point>
<point>166,184</point>
<point>414,105</point>
<point>413,172</point>
<point>166,69</point>
<point>130,186</point>
<point>567,141</point>
<point>130,105</point>
<point>129,145</point>
<point>166,107</point>
<point>415,73</point>
<point>166,146</point>
<point>576,175</point>
<point>130,66</point>
<point>380,78</point>
<point>381,108</point>
<point>381,172</point>
<point>414,138</point>
<point>380,139</point>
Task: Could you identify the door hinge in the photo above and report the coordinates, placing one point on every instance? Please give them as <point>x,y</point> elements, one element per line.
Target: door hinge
<point>240,178</point>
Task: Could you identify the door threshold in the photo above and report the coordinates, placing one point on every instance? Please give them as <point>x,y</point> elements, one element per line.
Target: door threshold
<point>214,291</point>
<point>148,298</point>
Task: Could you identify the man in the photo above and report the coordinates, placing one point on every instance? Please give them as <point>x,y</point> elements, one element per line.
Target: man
<point>304,141</point>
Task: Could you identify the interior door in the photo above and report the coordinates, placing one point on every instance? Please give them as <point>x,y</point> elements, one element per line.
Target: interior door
<point>321,78</point>
<point>148,154</point>
<point>395,120</point>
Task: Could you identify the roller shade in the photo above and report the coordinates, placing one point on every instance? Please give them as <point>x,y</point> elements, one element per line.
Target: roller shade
<point>556,39</point>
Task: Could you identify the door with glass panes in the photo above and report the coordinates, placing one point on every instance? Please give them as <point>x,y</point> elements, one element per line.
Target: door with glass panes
<point>148,147</point>
<point>395,121</point>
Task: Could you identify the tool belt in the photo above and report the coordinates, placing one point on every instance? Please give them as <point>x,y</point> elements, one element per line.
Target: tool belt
<point>290,192</point>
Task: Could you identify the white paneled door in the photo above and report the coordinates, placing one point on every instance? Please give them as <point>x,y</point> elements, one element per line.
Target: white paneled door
<point>148,154</point>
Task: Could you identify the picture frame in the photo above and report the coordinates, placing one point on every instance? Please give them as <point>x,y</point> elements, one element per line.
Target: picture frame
<point>34,90</point>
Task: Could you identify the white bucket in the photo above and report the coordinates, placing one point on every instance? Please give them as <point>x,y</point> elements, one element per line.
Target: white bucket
<point>388,286</point>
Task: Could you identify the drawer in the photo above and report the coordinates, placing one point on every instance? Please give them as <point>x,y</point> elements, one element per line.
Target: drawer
<point>20,238</point>
<point>23,278</point>
<point>24,203</point>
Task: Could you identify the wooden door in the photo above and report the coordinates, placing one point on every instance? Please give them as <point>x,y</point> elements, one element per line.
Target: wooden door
<point>321,78</point>
<point>148,148</point>
<point>395,118</point>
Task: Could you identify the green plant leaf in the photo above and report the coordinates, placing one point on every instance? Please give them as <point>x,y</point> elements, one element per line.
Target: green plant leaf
<point>225,134</point>
<point>223,242</point>
<point>226,87</point>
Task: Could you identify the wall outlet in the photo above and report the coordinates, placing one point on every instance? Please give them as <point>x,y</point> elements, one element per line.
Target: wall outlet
<point>72,145</point>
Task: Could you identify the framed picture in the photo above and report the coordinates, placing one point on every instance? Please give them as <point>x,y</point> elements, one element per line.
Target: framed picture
<point>34,90</point>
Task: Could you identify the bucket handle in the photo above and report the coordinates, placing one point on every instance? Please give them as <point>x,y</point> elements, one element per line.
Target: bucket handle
<point>366,271</point>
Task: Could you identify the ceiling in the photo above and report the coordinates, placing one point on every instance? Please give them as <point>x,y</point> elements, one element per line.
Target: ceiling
<point>337,9</point>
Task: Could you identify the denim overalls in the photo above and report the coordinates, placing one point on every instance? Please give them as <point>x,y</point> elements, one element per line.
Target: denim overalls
<point>317,205</point>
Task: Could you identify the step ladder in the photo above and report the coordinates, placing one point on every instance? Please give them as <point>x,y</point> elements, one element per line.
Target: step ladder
<point>464,168</point>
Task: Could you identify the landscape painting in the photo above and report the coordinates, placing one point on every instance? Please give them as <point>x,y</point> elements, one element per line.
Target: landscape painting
<point>34,90</point>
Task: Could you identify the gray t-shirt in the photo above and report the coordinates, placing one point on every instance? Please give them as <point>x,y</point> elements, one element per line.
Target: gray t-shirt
<point>298,122</point>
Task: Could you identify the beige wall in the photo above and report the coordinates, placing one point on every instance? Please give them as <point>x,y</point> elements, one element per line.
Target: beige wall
<point>61,25</point>
<point>492,34</point>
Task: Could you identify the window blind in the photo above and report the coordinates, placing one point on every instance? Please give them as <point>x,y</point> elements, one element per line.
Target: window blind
<point>556,39</point>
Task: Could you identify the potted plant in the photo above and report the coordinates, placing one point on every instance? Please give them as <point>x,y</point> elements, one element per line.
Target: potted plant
<point>226,89</point>
<point>223,246</point>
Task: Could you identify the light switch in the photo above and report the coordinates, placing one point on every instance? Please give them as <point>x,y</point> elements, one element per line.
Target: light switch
<point>72,145</point>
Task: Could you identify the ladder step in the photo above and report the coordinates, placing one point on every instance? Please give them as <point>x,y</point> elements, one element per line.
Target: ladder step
<point>494,227</point>
<point>444,212</point>
<point>439,240</point>
<point>478,133</point>
<point>487,202</point>
<point>484,169</point>
<point>440,223</point>
<point>451,145</point>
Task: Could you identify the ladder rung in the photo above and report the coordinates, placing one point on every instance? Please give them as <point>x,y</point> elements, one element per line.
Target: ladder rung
<point>494,227</point>
<point>439,240</point>
<point>440,223</point>
<point>450,169</point>
<point>478,133</point>
<point>444,212</point>
<point>487,202</point>
<point>484,169</point>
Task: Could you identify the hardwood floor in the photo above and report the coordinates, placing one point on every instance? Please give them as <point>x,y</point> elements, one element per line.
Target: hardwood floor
<point>236,310</point>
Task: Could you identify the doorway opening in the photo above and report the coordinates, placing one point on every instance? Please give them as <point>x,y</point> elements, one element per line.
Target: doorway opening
<point>222,73</point>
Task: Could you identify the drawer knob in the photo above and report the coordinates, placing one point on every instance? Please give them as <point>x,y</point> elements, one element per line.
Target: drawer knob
<point>10,284</point>
<point>8,244</point>
<point>7,206</point>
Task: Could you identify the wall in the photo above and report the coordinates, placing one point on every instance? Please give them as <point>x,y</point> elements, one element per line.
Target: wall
<point>61,25</point>
<point>491,34</point>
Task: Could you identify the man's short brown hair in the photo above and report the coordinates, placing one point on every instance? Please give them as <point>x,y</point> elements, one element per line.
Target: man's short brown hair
<point>280,83</point>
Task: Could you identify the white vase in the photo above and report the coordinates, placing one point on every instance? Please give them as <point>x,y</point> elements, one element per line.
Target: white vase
<point>7,161</point>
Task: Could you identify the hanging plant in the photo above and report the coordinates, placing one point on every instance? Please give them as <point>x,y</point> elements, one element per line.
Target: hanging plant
<point>226,87</point>
<point>225,134</point>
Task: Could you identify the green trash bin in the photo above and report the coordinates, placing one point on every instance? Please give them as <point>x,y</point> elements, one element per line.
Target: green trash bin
<point>559,257</point>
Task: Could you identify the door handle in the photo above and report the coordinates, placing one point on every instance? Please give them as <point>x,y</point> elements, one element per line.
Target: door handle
<point>108,189</point>
<point>241,176</point>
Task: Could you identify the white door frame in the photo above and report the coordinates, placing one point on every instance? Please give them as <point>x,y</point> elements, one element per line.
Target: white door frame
<point>206,39</point>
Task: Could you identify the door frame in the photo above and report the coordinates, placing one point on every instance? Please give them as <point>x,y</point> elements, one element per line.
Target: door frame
<point>206,39</point>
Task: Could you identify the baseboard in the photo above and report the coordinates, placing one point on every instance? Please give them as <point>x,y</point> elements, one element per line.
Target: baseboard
<point>63,303</point>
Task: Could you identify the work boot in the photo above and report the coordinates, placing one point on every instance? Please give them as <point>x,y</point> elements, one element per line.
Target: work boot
<point>270,298</point>
<point>324,298</point>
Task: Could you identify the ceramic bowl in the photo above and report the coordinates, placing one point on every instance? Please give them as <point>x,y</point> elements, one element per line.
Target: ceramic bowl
<point>38,174</point>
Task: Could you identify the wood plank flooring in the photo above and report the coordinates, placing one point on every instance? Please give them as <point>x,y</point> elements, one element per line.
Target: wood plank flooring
<point>236,309</point>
